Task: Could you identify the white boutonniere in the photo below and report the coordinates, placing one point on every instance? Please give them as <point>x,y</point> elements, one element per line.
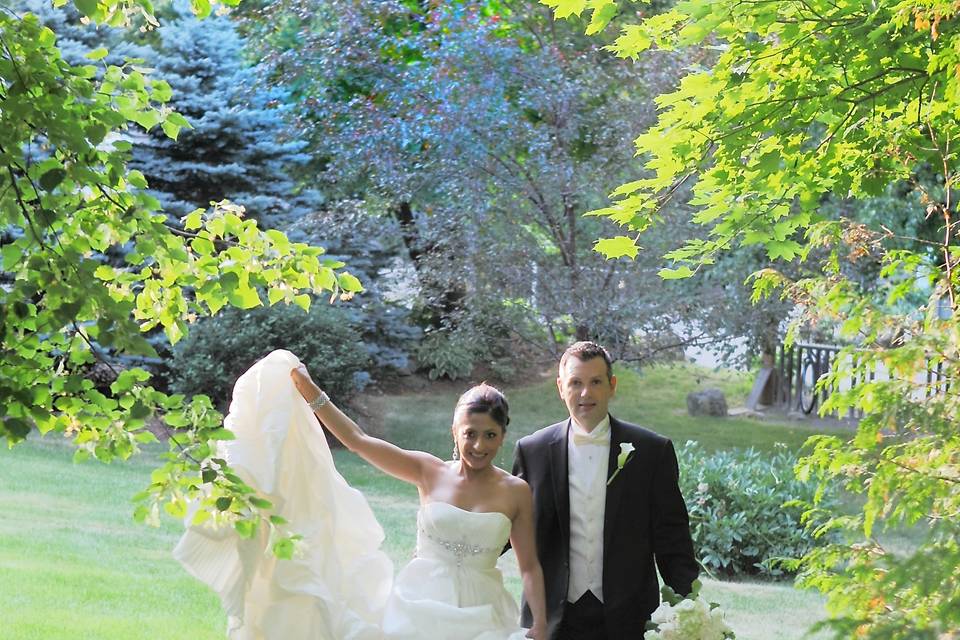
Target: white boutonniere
<point>626,452</point>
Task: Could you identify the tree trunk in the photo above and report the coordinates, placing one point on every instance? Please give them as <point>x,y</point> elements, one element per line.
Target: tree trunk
<point>443,297</point>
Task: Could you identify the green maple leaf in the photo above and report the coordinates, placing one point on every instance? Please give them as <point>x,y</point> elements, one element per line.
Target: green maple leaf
<point>618,247</point>
<point>603,12</point>
<point>676,274</point>
<point>631,42</point>
<point>566,8</point>
<point>786,250</point>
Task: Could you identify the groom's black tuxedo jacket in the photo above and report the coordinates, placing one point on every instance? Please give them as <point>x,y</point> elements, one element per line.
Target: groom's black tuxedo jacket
<point>645,521</point>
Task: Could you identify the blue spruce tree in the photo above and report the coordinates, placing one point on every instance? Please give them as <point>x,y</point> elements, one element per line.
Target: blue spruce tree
<point>241,146</point>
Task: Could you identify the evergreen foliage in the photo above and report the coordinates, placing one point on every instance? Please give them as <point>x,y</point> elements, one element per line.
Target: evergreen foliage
<point>353,232</point>
<point>240,144</point>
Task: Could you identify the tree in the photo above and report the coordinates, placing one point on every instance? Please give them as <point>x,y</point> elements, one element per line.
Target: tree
<point>807,106</point>
<point>485,128</point>
<point>67,197</point>
<point>239,145</point>
<point>350,231</point>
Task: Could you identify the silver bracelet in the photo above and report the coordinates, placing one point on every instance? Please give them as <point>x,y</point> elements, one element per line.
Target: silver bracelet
<point>319,401</point>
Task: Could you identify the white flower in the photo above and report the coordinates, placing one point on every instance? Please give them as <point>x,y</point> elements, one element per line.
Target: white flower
<point>685,606</point>
<point>664,613</point>
<point>703,487</point>
<point>669,631</point>
<point>717,625</point>
<point>626,448</point>
<point>689,619</point>
<point>703,609</point>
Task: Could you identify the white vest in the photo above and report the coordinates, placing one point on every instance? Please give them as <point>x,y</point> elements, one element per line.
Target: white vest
<point>587,474</point>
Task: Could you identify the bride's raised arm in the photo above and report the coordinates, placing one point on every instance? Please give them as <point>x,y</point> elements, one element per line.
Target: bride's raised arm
<point>409,466</point>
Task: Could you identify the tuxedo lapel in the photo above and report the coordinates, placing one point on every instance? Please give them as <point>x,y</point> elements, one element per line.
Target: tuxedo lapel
<point>558,474</point>
<point>615,488</point>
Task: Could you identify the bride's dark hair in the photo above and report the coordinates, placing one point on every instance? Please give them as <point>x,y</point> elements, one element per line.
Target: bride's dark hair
<point>487,399</point>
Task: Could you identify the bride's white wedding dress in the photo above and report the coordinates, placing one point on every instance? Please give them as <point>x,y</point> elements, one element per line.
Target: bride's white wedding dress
<point>452,588</point>
<point>339,585</point>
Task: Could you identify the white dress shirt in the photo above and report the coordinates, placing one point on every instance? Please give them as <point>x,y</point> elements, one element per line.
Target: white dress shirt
<point>587,474</point>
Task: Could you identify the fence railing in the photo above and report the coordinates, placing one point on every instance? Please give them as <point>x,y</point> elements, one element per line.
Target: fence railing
<point>800,367</point>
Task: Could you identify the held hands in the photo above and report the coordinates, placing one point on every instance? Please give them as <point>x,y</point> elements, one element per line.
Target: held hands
<point>305,384</point>
<point>537,632</point>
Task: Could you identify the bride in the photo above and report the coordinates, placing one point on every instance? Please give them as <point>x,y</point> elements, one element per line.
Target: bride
<point>466,494</point>
<point>340,587</point>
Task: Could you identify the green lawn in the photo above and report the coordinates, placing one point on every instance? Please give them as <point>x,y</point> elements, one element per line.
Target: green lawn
<point>656,399</point>
<point>73,564</point>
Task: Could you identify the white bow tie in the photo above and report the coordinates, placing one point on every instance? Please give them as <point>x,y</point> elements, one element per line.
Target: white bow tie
<point>599,436</point>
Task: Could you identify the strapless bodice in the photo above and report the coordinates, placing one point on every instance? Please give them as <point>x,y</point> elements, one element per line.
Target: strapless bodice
<point>471,539</point>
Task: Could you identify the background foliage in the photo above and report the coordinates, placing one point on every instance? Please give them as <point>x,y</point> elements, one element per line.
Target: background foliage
<point>448,149</point>
<point>67,201</point>
<point>241,144</point>
<point>219,349</point>
<point>484,130</point>
<point>804,107</point>
<point>369,241</point>
<point>736,500</point>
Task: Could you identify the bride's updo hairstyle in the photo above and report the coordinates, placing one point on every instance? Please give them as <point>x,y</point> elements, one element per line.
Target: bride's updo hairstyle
<point>484,398</point>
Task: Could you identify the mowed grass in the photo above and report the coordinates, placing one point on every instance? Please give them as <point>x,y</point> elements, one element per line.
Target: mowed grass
<point>654,398</point>
<point>74,565</point>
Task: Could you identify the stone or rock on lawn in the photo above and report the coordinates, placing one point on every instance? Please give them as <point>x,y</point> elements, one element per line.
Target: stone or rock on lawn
<point>707,402</point>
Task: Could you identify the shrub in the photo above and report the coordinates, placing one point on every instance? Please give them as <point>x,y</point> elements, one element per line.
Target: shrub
<point>447,354</point>
<point>217,350</point>
<point>740,516</point>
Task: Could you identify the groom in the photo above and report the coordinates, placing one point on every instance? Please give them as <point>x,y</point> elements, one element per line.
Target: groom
<point>601,525</point>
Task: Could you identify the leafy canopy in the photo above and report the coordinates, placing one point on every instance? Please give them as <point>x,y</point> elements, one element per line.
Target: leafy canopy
<point>67,202</point>
<point>802,99</point>
<point>798,105</point>
<point>485,128</point>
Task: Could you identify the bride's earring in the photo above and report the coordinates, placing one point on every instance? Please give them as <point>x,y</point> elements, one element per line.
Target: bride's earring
<point>456,451</point>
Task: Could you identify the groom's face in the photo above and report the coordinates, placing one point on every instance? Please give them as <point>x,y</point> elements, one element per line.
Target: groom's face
<point>586,390</point>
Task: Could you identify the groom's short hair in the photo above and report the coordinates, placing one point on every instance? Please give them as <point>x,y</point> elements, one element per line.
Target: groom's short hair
<point>586,350</point>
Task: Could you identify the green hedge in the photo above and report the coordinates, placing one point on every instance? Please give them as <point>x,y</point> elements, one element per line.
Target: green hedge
<point>736,504</point>
<point>218,350</point>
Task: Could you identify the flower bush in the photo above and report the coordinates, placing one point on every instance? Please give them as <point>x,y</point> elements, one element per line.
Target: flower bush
<point>742,511</point>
